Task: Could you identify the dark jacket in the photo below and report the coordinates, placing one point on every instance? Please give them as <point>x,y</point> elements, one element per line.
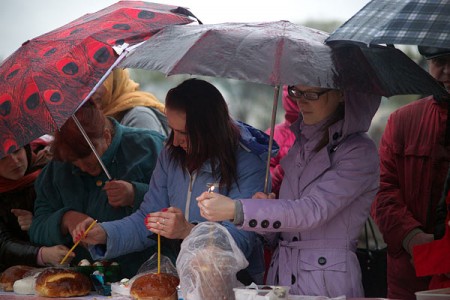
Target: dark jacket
<point>62,187</point>
<point>15,245</point>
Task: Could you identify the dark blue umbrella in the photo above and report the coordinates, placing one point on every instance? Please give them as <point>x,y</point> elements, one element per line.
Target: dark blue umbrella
<point>406,22</point>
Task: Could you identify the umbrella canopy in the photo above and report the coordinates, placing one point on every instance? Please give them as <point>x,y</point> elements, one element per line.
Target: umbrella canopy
<point>408,22</point>
<point>277,53</point>
<point>47,78</point>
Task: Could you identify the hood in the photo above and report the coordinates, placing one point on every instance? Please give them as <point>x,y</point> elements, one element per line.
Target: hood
<point>360,108</point>
<point>359,111</point>
<point>256,141</point>
<point>290,107</point>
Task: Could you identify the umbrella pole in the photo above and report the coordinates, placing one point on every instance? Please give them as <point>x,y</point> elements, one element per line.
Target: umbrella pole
<point>88,140</point>
<point>272,128</point>
<point>123,53</point>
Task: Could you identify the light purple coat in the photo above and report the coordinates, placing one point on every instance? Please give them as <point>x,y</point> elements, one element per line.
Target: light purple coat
<point>324,201</point>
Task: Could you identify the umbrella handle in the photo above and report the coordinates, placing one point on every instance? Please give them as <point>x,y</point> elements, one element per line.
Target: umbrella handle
<point>272,128</point>
<point>88,140</point>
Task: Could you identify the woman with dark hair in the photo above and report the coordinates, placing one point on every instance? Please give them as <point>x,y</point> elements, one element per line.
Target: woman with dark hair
<point>18,172</point>
<point>330,180</point>
<point>205,146</point>
<point>73,187</point>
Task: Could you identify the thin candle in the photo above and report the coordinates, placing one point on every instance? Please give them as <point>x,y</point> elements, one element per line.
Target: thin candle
<point>76,244</point>
<point>159,254</point>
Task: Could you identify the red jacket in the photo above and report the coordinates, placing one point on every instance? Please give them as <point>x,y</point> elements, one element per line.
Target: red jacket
<point>284,137</point>
<point>434,258</point>
<point>413,167</point>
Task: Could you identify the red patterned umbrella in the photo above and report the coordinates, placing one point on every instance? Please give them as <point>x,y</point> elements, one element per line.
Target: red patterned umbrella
<point>47,78</point>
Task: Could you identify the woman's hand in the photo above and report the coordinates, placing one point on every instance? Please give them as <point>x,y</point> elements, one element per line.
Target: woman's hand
<point>119,192</point>
<point>70,220</point>
<point>169,222</point>
<point>24,218</point>
<point>216,207</point>
<point>54,255</point>
<point>96,235</point>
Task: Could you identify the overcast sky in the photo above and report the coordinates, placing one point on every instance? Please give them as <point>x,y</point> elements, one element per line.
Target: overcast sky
<point>21,20</point>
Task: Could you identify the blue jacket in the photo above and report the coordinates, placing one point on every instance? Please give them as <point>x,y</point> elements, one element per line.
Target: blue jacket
<point>170,186</point>
<point>62,187</point>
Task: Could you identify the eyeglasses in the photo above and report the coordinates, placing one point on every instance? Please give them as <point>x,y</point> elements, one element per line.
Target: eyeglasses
<point>296,94</point>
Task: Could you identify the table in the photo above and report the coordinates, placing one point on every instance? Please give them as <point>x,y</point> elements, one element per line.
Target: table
<point>93,296</point>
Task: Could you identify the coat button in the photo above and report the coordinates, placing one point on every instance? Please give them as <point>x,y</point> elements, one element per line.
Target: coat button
<point>294,239</point>
<point>335,136</point>
<point>293,279</point>
<point>276,224</point>
<point>252,223</point>
<point>322,260</point>
<point>265,224</point>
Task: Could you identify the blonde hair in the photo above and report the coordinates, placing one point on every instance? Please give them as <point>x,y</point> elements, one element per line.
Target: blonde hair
<point>120,93</point>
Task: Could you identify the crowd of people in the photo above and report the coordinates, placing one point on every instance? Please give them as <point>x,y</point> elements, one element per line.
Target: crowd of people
<point>147,169</point>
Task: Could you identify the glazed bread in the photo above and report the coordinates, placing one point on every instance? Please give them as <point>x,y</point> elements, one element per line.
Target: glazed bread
<point>10,275</point>
<point>56,282</point>
<point>154,286</point>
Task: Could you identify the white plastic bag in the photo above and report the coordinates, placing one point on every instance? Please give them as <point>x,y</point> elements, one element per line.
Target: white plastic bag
<point>208,262</point>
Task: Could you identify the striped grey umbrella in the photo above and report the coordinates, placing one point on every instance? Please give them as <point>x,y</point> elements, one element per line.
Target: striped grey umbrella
<point>406,22</point>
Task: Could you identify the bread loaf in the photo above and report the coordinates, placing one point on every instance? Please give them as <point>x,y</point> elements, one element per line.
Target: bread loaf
<point>55,282</point>
<point>10,275</point>
<point>154,286</point>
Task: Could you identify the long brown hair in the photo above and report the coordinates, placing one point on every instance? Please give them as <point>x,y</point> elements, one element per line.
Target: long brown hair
<point>211,132</point>
<point>69,143</point>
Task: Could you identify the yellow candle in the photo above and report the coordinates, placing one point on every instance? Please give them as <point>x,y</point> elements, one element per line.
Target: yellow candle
<point>159,254</point>
<point>76,244</point>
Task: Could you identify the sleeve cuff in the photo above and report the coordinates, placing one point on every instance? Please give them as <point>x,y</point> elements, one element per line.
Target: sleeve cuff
<point>238,213</point>
<point>409,237</point>
<point>39,260</point>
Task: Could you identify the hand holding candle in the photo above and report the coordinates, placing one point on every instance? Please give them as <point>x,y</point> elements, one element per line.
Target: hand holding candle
<point>76,244</point>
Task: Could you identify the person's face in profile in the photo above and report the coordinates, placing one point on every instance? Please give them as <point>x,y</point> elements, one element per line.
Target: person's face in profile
<point>439,68</point>
<point>14,165</point>
<point>177,122</point>
<point>315,104</point>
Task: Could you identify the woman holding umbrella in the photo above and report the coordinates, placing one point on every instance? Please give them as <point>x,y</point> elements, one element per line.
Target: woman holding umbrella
<point>331,177</point>
<point>205,146</point>
<point>73,186</point>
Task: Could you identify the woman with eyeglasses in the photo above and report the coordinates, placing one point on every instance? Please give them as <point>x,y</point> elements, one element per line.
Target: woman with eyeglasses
<point>331,177</point>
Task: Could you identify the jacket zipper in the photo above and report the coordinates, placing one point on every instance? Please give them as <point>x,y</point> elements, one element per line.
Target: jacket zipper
<point>188,196</point>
